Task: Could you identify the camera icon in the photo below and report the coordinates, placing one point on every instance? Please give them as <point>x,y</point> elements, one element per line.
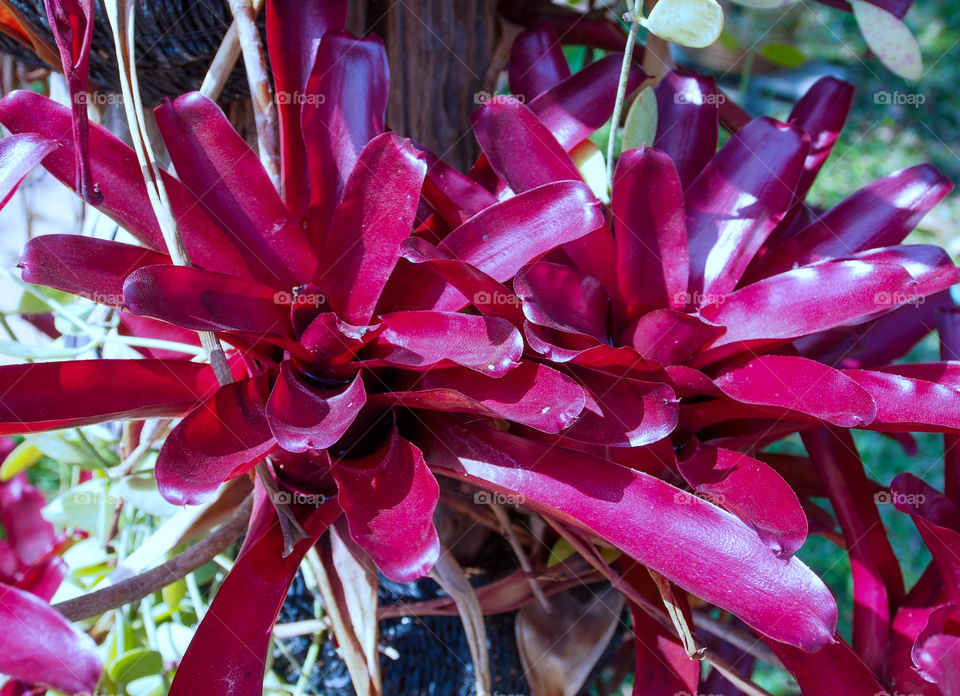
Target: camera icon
<point>882,97</point>
<point>883,498</point>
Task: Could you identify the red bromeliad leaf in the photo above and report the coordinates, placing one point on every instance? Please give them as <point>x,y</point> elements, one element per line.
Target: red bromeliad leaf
<point>116,170</point>
<point>910,405</point>
<point>145,327</point>
<point>563,298</point>
<point>807,300</point>
<point>834,669</point>
<point>344,108</point>
<point>878,215</point>
<point>30,535</point>
<point>303,416</point>
<point>85,266</point>
<point>703,549</point>
<point>375,214</point>
<point>388,499</point>
<point>799,385</point>
<point>228,654</point>
<point>623,411</point>
<point>737,200</point>
<point>938,521</point>
<point>532,394</point>
<point>521,150</point>
<point>651,235</point>
<point>417,340</point>
<point>670,337</point>
<point>506,236</point>
<point>72,25</point>
<point>877,580</point>
<point>453,195</point>
<point>821,113</point>
<point>931,266</point>
<point>293,29</point>
<point>94,391</point>
<point>226,177</point>
<point>688,121</point>
<point>751,490</point>
<point>576,107</point>
<point>48,649</point>
<point>938,658</point>
<point>206,301</point>
<point>18,155</point>
<point>537,62</point>
<point>223,437</point>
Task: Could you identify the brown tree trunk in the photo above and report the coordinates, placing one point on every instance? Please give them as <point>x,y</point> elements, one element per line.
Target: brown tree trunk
<point>442,54</point>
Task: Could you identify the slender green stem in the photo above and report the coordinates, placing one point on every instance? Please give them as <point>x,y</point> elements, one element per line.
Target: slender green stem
<point>635,15</point>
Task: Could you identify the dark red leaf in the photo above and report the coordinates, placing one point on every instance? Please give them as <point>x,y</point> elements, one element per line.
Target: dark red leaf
<point>18,155</point>
<point>563,298</point>
<point>536,62</point>
<point>688,121</point>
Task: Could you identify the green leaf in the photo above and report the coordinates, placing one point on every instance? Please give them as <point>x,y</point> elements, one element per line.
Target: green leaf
<point>172,594</point>
<point>693,23</point>
<point>890,39</point>
<point>641,125</point>
<point>20,459</point>
<point>135,664</point>
<point>783,54</point>
<point>30,304</point>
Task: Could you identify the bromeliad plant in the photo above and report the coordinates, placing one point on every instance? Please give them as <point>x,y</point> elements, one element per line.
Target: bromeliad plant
<point>388,319</point>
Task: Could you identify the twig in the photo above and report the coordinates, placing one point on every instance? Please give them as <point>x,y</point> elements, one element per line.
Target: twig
<point>622,88</point>
<point>518,550</point>
<point>258,77</point>
<point>224,61</point>
<point>136,588</point>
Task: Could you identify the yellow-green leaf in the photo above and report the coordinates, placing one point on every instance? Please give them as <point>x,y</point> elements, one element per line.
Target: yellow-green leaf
<point>20,459</point>
<point>890,39</point>
<point>783,54</point>
<point>693,23</point>
<point>135,664</point>
<point>592,167</point>
<point>641,125</point>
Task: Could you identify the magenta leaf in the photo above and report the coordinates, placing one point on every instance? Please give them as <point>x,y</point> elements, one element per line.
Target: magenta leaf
<point>670,337</point>
<point>305,416</point>
<point>345,107</point>
<point>737,200</point>
<point>30,535</point>
<point>388,499</point>
<point>94,391</point>
<point>375,214</point>
<point>222,437</point>
<point>117,172</point>
<point>623,411</point>
<point>878,215</point>
<point>293,29</point>
<point>751,490</point>
<point>877,580</point>
<point>205,301</point>
<point>799,385</point>
<point>688,121</point>
<point>48,649</point>
<point>145,327</point>
<point>85,266</point>
<point>536,62</point>
<point>563,298</point>
<point>576,107</point>
<point>72,25</point>
<point>834,669</point>
<point>18,155</point>
<point>228,654</point>
<point>226,177</point>
<point>520,149</point>
<point>453,195</point>
<point>702,548</point>
<point>808,300</point>
<point>417,340</point>
<point>910,405</point>
<point>651,235</point>
<point>532,394</point>
<point>508,235</point>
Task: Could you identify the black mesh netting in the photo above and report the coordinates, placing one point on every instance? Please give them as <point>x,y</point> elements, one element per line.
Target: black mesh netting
<point>176,40</point>
<point>433,656</point>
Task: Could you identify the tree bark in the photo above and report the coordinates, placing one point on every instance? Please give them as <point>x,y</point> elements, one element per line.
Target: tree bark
<point>442,56</point>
